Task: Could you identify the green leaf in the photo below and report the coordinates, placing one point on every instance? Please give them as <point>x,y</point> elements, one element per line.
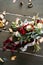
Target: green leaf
<point>37,30</point>
<point>36,47</point>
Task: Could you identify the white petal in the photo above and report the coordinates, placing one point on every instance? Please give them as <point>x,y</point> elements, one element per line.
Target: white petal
<point>4,12</point>
<point>3,25</point>
<point>17,19</point>
<point>7,23</point>
<point>39,25</point>
<point>1,16</point>
<point>10,30</point>
<point>28,27</point>
<point>4,20</point>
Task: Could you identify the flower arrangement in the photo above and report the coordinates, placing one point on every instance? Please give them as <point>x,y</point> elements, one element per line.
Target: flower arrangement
<point>25,34</point>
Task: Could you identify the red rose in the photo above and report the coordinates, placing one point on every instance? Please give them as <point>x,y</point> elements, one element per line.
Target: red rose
<point>38,21</point>
<point>22,31</point>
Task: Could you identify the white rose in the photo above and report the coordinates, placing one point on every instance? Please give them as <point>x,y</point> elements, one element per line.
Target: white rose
<point>39,25</point>
<point>28,27</point>
<point>14,1</point>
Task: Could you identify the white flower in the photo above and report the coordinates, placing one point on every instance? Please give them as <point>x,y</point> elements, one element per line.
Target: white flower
<point>17,34</point>
<point>7,23</point>
<point>28,27</point>
<point>18,22</point>
<point>39,25</point>
<point>1,16</point>
<point>10,30</point>
<point>31,22</point>
<point>4,20</point>
<point>17,19</point>
<point>4,12</point>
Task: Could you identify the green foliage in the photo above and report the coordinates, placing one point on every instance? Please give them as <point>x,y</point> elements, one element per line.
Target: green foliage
<point>36,47</point>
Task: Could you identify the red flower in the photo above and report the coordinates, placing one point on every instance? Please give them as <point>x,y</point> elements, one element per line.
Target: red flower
<point>39,21</point>
<point>21,30</point>
<point>9,44</point>
<point>6,42</point>
<point>32,27</point>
